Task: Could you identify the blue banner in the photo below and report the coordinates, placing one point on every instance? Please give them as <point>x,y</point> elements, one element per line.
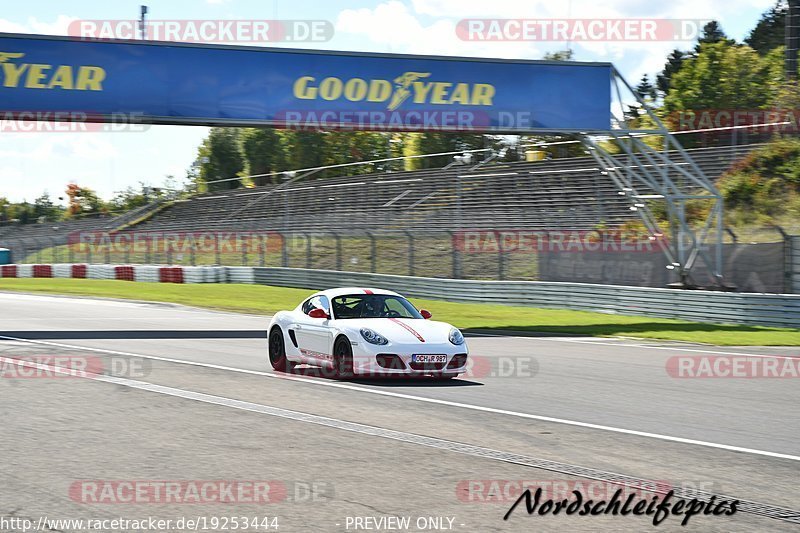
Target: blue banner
<point>215,85</point>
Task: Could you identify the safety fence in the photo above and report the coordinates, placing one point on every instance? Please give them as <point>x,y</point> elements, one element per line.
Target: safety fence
<point>780,310</point>
<point>768,261</point>
<point>794,262</point>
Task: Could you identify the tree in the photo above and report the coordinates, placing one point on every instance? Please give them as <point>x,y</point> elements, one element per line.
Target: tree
<point>434,142</point>
<point>647,92</point>
<point>412,145</point>
<point>5,209</point>
<point>645,89</point>
<point>305,149</point>
<point>263,152</point>
<point>45,209</point>
<point>341,147</point>
<point>23,212</point>
<point>83,201</point>
<point>673,65</point>
<point>725,76</point>
<point>712,33</point>
<point>131,198</point>
<point>770,31</point>
<point>222,159</point>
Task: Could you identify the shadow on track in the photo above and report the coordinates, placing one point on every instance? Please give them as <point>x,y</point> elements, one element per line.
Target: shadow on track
<point>383,381</point>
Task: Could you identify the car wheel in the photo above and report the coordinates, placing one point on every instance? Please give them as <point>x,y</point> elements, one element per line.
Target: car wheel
<point>277,351</point>
<point>342,359</point>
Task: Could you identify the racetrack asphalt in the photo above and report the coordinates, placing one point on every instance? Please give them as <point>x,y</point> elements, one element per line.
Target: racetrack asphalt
<point>194,398</point>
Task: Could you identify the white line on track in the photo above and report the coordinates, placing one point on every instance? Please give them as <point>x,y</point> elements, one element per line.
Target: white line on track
<point>594,340</point>
<point>448,403</point>
<point>746,506</point>
<point>632,345</point>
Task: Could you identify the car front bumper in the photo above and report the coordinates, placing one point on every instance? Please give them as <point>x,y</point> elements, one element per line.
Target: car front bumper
<point>399,360</point>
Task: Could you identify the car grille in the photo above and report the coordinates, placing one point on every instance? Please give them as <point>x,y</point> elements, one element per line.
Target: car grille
<point>426,366</point>
<point>390,360</point>
<point>458,360</point>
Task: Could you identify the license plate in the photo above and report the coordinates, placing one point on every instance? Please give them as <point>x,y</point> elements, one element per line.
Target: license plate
<point>428,358</point>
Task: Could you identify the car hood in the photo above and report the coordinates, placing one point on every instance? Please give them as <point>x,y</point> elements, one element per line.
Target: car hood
<point>402,330</point>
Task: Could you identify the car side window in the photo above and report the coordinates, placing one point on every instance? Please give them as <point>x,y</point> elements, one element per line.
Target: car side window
<point>320,302</point>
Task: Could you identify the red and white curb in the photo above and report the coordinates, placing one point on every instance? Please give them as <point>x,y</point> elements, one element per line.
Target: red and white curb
<point>149,273</point>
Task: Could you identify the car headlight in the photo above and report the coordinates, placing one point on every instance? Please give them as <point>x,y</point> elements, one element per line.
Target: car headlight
<point>456,337</point>
<point>372,337</point>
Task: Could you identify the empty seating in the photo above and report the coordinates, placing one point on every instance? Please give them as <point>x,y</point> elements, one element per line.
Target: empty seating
<point>569,192</point>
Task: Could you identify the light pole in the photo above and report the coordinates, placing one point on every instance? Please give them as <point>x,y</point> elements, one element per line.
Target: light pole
<point>143,23</point>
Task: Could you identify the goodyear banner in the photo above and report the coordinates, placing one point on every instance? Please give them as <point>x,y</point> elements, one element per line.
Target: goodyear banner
<point>195,84</point>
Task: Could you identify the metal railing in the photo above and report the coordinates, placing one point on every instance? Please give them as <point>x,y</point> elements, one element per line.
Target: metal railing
<point>794,272</point>
<point>776,310</point>
<point>698,306</point>
<point>764,261</point>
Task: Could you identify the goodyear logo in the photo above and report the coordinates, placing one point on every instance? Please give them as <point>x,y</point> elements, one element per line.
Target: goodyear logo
<point>16,74</point>
<point>409,85</point>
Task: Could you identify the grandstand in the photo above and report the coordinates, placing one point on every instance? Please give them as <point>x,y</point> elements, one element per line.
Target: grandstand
<point>561,193</point>
<point>567,193</point>
<point>53,231</point>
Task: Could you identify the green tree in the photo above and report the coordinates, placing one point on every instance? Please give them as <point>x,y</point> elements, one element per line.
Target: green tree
<point>5,209</point>
<point>645,89</point>
<point>264,153</point>
<point>131,198</point>
<point>305,149</point>
<point>221,158</point>
<point>435,142</point>
<point>770,31</point>
<point>725,76</point>
<point>355,146</point>
<point>23,212</point>
<point>45,209</point>
<point>712,33</point>
<point>673,65</point>
<point>412,145</point>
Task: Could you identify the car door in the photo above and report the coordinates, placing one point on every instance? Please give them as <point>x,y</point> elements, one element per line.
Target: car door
<point>314,334</point>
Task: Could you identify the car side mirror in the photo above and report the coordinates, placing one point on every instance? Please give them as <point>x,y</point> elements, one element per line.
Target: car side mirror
<point>318,313</point>
<point>425,313</point>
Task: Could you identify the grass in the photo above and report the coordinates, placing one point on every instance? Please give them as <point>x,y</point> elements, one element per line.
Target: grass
<point>259,299</point>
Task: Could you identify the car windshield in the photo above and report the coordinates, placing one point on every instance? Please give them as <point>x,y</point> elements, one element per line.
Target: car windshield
<point>373,306</point>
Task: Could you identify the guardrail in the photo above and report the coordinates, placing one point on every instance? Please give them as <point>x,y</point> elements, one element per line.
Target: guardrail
<point>780,310</point>
<point>794,250</point>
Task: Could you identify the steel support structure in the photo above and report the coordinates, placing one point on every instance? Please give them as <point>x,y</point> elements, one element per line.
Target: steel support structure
<point>661,172</point>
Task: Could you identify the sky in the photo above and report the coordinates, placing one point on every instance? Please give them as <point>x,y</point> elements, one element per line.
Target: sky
<point>31,163</point>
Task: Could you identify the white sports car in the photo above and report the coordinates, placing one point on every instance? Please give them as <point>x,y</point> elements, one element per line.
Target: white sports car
<point>365,332</point>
